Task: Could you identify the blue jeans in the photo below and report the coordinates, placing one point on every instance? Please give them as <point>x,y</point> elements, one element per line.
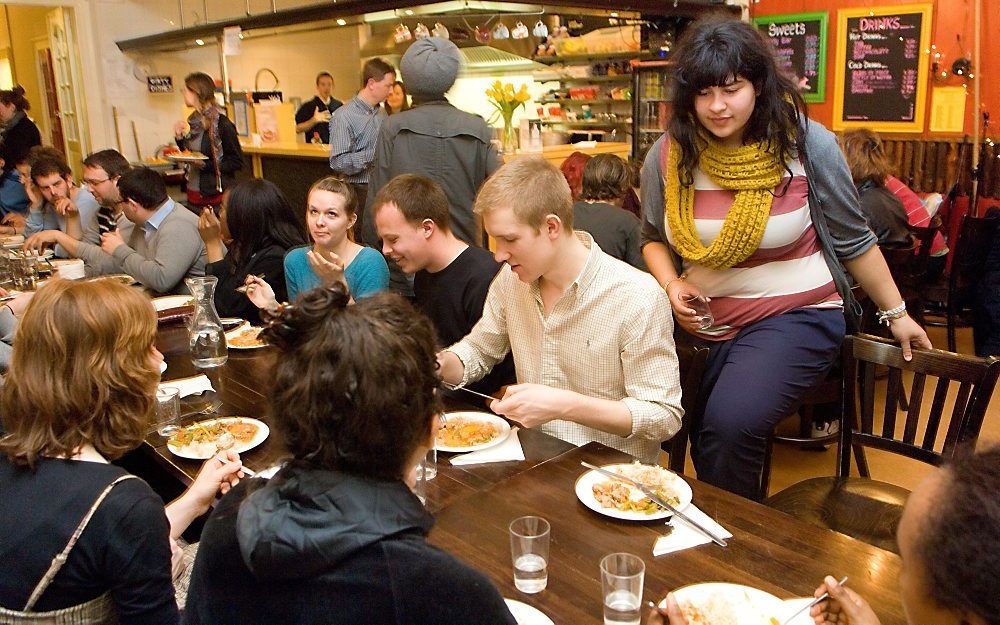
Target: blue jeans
<point>752,382</point>
<point>13,198</point>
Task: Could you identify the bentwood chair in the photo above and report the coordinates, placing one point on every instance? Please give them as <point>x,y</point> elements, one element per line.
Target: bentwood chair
<point>868,509</point>
<point>692,362</point>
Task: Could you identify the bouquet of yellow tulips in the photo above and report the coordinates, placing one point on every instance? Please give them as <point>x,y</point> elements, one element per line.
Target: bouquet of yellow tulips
<point>506,100</point>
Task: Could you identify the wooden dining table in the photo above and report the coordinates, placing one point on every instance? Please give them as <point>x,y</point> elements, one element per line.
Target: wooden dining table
<point>474,504</point>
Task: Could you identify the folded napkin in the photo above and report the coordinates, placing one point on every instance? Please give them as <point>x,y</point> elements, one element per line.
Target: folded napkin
<point>190,386</point>
<point>508,450</point>
<point>684,536</point>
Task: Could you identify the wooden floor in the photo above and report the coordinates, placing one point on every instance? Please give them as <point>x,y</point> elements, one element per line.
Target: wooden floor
<point>792,465</point>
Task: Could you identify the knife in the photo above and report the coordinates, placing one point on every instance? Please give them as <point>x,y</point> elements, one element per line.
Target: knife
<point>659,501</point>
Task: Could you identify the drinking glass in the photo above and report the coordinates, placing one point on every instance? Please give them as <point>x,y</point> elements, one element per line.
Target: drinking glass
<point>168,410</point>
<point>621,587</point>
<point>428,468</point>
<point>529,550</point>
<point>703,314</point>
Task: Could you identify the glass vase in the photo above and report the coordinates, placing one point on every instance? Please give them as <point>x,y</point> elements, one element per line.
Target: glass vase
<point>207,340</point>
<point>509,137</point>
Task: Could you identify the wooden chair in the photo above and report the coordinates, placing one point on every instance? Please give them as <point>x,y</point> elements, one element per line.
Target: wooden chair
<point>692,361</point>
<point>865,508</point>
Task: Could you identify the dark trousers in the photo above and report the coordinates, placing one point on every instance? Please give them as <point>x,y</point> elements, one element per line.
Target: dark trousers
<point>752,382</point>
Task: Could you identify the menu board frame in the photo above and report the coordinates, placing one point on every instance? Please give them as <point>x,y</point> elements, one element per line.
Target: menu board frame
<point>823,18</point>
<point>923,61</point>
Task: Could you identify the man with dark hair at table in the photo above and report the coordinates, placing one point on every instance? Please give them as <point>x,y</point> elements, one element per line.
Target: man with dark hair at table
<point>313,117</point>
<point>436,140</point>
<point>155,241</point>
<point>52,194</point>
<point>354,130</point>
<point>450,277</point>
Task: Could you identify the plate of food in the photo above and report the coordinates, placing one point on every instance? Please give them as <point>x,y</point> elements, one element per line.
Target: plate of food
<point>186,156</point>
<point>717,603</point>
<point>204,439</point>
<point>124,278</point>
<point>471,431</point>
<point>620,500</point>
<point>172,301</point>
<point>245,336</point>
<point>525,614</point>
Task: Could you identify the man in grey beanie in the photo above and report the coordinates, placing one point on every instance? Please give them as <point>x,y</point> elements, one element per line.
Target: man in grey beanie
<point>436,140</point>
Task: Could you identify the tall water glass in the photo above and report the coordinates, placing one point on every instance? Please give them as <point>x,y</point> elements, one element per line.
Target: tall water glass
<point>168,410</point>
<point>207,340</point>
<point>428,468</point>
<point>621,586</point>
<point>529,550</point>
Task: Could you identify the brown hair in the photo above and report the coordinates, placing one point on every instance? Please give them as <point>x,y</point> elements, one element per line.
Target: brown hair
<point>322,75</point>
<point>605,177</point>
<point>864,154</point>
<point>355,388</point>
<point>82,372</point>
<point>405,106</point>
<point>417,197</point>
<point>202,85</point>
<point>334,184</point>
<point>47,162</point>
<point>111,161</point>
<point>16,97</point>
<point>532,187</point>
<point>375,69</point>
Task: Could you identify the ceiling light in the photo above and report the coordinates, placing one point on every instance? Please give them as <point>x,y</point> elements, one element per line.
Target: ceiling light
<point>341,21</point>
<point>200,42</point>
<point>614,14</point>
<point>408,12</point>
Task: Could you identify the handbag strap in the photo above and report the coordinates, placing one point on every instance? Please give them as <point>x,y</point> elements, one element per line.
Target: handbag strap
<point>60,559</point>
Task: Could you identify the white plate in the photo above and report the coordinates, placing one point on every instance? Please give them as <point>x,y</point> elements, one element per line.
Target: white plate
<point>585,493</point>
<point>262,433</point>
<point>185,158</point>
<point>479,416</point>
<point>124,278</point>
<point>172,301</point>
<point>525,614</point>
<point>757,607</point>
<point>240,329</point>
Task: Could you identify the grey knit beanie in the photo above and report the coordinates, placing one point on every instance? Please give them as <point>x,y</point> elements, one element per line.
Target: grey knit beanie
<point>430,67</point>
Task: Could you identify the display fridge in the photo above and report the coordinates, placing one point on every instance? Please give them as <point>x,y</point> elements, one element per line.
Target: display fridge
<point>651,86</point>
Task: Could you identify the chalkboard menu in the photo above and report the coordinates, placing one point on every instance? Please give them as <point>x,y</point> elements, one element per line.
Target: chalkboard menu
<point>799,42</point>
<point>882,68</point>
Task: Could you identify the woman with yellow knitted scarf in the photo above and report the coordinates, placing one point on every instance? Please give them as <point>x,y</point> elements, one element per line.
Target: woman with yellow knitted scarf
<point>750,209</point>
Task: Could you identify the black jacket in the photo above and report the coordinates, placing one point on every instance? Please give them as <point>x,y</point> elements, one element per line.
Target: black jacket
<point>17,140</point>
<point>326,547</point>
<point>230,162</point>
<point>269,262</point>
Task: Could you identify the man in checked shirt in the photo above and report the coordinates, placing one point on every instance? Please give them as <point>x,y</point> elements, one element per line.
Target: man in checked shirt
<point>591,336</point>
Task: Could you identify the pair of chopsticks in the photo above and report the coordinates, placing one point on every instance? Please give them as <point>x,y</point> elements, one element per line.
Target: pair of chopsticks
<point>243,289</point>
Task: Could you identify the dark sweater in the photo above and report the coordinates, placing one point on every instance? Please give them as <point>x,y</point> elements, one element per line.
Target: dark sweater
<point>17,141</point>
<point>326,547</point>
<point>885,214</point>
<point>124,549</point>
<point>269,262</point>
<point>615,230</point>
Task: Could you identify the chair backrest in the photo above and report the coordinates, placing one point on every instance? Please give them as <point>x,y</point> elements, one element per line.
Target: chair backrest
<point>916,435</point>
<point>901,260</point>
<point>925,239</point>
<point>692,361</point>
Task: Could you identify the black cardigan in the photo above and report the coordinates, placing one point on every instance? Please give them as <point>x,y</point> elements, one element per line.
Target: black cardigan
<point>269,262</point>
<point>230,162</point>
<point>17,140</point>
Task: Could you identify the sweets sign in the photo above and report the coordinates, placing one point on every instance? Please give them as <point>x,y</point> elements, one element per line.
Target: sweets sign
<point>799,42</point>
<point>160,84</point>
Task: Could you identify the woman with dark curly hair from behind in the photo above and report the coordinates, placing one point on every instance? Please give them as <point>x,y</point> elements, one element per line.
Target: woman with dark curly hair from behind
<point>947,542</point>
<point>336,536</point>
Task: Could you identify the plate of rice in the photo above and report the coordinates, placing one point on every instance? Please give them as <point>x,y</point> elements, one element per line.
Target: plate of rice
<point>620,500</point>
<point>718,603</point>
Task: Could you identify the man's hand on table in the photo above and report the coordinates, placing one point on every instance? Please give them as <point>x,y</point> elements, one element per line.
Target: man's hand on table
<point>532,405</point>
<point>110,241</point>
<point>40,240</point>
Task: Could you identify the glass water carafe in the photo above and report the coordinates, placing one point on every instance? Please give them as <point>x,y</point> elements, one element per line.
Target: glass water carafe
<point>207,340</point>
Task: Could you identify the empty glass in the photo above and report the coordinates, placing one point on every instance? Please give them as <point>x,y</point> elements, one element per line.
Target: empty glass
<point>703,313</point>
<point>621,586</point>
<point>168,410</point>
<point>428,469</point>
<point>529,551</point>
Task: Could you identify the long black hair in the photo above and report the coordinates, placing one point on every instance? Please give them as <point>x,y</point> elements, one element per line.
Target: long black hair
<point>715,50</point>
<point>258,215</point>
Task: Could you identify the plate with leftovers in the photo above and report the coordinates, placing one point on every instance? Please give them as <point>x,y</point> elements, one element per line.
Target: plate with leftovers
<point>717,603</point>
<point>187,156</point>
<point>204,439</point>
<point>525,614</point>
<point>471,431</point>
<point>172,301</point>
<point>245,336</point>
<point>619,500</point>
<point>124,278</point>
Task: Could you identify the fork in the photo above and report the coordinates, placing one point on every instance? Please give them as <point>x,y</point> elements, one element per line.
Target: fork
<point>243,289</point>
<point>209,409</point>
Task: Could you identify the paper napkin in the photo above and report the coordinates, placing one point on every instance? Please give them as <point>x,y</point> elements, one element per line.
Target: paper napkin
<point>190,386</point>
<point>684,536</point>
<point>506,451</point>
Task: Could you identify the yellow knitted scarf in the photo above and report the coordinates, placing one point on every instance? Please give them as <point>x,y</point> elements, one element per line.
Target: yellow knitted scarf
<point>751,171</point>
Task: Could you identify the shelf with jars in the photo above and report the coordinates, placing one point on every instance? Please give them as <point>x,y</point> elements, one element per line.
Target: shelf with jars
<point>593,91</point>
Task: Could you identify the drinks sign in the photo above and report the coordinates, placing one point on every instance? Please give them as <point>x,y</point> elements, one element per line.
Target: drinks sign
<point>799,42</point>
<point>882,68</point>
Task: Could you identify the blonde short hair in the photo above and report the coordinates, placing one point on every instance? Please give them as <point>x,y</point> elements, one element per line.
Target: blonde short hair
<point>530,186</point>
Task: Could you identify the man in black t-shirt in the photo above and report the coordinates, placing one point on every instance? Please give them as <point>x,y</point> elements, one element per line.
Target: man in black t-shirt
<point>313,117</point>
<point>450,277</point>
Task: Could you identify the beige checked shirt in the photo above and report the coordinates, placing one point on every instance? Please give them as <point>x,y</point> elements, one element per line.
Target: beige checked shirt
<point>610,336</point>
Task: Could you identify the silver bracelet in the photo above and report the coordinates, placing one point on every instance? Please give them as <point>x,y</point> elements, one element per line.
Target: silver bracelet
<point>885,316</point>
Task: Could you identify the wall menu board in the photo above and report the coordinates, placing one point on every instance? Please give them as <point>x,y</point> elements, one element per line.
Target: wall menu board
<point>882,68</point>
<point>799,42</point>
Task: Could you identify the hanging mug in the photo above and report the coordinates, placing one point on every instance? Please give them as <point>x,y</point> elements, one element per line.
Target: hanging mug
<point>520,31</point>
<point>482,34</point>
<point>540,30</point>
<point>421,32</point>
<point>500,31</point>
<point>440,31</point>
<point>402,33</point>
